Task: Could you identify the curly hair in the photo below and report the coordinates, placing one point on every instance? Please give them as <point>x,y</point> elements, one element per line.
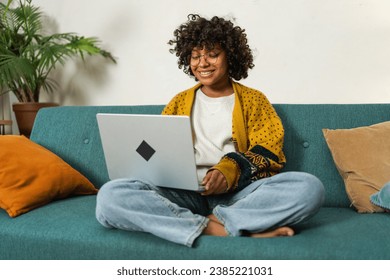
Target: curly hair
<point>199,32</point>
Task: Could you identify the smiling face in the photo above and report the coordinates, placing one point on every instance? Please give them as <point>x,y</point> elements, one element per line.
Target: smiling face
<point>210,67</point>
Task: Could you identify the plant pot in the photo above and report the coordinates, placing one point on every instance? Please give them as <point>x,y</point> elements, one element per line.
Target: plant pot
<point>25,114</point>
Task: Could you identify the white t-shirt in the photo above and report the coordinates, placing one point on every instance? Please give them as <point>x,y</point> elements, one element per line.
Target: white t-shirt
<point>212,124</point>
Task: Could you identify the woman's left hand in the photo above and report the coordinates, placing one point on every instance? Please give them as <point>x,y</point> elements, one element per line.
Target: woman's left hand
<point>214,183</point>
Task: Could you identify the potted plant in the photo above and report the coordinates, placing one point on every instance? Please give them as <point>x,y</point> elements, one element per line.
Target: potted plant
<point>27,56</point>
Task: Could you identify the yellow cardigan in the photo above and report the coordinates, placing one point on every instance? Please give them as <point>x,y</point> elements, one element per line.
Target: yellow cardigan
<point>257,133</point>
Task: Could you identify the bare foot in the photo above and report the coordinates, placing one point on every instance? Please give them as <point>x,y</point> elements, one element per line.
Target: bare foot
<point>216,228</point>
<point>214,219</point>
<point>282,231</point>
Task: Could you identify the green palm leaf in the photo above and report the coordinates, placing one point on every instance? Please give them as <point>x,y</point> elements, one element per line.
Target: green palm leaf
<point>27,56</point>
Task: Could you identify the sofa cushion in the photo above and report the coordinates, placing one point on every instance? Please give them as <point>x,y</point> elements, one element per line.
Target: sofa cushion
<point>362,157</point>
<point>68,229</point>
<point>32,176</point>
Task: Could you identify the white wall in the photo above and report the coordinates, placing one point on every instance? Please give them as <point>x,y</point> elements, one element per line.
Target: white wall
<point>306,51</point>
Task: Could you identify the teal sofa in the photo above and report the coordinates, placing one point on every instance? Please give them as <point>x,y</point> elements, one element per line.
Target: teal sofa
<point>67,229</point>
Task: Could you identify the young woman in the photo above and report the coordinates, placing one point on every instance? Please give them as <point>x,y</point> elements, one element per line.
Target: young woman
<point>238,144</point>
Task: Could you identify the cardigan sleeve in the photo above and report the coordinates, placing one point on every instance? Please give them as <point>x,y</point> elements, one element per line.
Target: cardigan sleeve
<point>264,157</point>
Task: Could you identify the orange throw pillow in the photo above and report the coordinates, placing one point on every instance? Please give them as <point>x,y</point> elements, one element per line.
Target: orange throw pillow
<point>32,176</point>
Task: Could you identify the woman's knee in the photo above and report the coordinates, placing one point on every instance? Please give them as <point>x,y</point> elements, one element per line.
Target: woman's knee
<point>119,189</point>
<point>312,189</point>
<point>107,192</point>
<point>115,193</point>
<point>303,187</point>
<point>105,199</point>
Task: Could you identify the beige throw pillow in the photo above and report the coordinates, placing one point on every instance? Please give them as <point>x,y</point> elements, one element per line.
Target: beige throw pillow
<point>362,157</point>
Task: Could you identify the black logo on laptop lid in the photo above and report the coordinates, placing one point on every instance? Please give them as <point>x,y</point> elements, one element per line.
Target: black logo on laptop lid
<point>145,150</point>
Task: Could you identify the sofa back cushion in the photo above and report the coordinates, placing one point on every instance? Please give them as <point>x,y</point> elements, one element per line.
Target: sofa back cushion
<point>305,145</point>
<point>72,133</point>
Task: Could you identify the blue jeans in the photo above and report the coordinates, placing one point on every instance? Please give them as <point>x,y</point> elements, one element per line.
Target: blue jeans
<point>180,216</point>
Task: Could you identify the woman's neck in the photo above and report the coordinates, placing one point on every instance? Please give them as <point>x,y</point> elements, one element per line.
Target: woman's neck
<point>225,89</point>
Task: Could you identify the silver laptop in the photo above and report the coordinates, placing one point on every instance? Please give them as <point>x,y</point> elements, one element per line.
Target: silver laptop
<point>157,149</point>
